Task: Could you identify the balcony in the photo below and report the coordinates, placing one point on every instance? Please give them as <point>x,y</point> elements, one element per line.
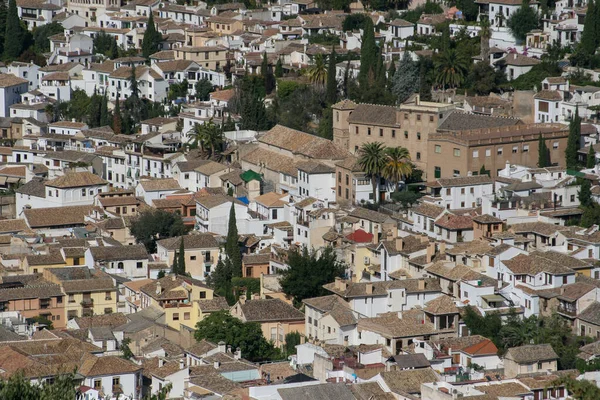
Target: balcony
<point>302,222</point>
<point>87,303</point>
<point>209,261</point>
<point>567,311</point>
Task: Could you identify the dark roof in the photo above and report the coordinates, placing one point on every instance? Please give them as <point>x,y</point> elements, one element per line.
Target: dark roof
<point>591,314</point>
<point>372,114</point>
<point>57,216</point>
<point>461,121</point>
<point>195,241</point>
<point>260,310</point>
<point>411,361</point>
<point>531,353</point>
<point>324,391</point>
<point>112,253</point>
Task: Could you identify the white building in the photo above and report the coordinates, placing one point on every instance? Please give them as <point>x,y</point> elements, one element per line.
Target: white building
<point>212,214</point>
<point>11,88</point>
<point>460,192</point>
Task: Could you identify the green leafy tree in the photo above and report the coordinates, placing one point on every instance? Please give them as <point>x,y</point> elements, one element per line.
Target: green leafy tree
<point>573,140</point>
<point>590,216</point>
<point>279,69</point>
<point>253,111</point>
<point>326,124</point>
<point>125,349</point>
<point>308,271</point>
<point>451,68</point>
<point>247,336</point>
<point>17,387</point>
<point>483,79</point>
<point>578,389</point>
<point>397,165</point>
<point>181,270</point>
<point>405,197</point>
<point>469,9</point>
<point>429,7</point>
<point>232,248</point>
<point>371,158</point>
<point>406,78</point>
<point>104,114</point>
<point>483,171</point>
<point>42,33</point>
<point>220,280</point>
<point>203,89</point>
<point>161,274</point>
<point>152,38</point>
<point>591,158</point>
<point>14,38</point>
<point>354,22</point>
<point>523,21</point>
<point>292,340</point>
<point>93,111</point>
<point>152,225</point>
<point>585,193</point>
<point>543,153</point>
<point>332,83</point>
<point>178,90</point>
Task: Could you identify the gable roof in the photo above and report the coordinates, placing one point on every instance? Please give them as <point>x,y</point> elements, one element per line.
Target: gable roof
<point>373,114</point>
<point>112,253</point>
<point>302,143</point>
<point>194,241</point>
<point>532,353</point>
<point>57,216</point>
<point>261,310</point>
<point>462,121</point>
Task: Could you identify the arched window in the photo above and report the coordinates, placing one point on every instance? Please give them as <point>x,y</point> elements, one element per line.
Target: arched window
<point>120,265</point>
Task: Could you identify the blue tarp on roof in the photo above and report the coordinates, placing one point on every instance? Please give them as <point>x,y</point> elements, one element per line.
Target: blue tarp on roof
<point>244,200</point>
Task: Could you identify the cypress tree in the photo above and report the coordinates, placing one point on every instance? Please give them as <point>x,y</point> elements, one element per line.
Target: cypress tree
<point>483,171</point>
<point>573,140</point>
<point>585,193</point>
<point>117,119</point>
<point>331,94</point>
<point>13,37</point>
<point>181,262</point>
<point>175,267</point>
<point>368,52</point>
<point>589,38</point>
<point>3,14</point>
<point>94,111</point>
<point>267,74</point>
<point>104,116</point>
<point>391,72</point>
<point>232,249</point>
<point>152,38</point>
<point>543,157</point>
<point>591,158</point>
<point>278,69</point>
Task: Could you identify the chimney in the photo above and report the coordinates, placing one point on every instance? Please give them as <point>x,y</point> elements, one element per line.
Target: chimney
<point>222,347</point>
<point>430,252</point>
<point>181,363</point>
<point>158,288</point>
<point>255,296</point>
<point>216,365</point>
<point>421,284</point>
<point>228,349</point>
<point>174,277</point>
<point>242,299</point>
<point>369,288</point>
<point>238,354</point>
<point>399,243</point>
<point>73,120</point>
<point>442,248</point>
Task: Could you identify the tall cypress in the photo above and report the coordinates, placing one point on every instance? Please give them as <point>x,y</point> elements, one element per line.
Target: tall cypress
<point>331,94</point>
<point>391,72</point>
<point>232,247</point>
<point>93,119</point>
<point>13,38</point>
<point>591,158</point>
<point>175,267</point>
<point>181,262</point>
<point>543,156</point>
<point>267,74</point>
<point>589,38</point>
<point>104,116</point>
<point>368,52</point>
<point>278,69</point>
<point>117,119</point>
<point>573,140</point>
<point>3,14</point>
<point>152,38</point>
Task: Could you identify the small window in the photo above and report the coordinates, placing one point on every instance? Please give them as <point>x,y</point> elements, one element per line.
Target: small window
<point>175,316</point>
<point>393,133</point>
<point>405,134</point>
<point>555,145</point>
<point>456,152</point>
<point>488,153</point>
<point>438,148</point>
<point>418,155</point>
<point>368,131</point>
<point>515,149</point>
<point>500,151</point>
<point>418,135</point>
<point>525,148</point>
<point>418,117</point>
<point>380,132</point>
<point>139,265</point>
<point>431,118</point>
<point>475,153</point>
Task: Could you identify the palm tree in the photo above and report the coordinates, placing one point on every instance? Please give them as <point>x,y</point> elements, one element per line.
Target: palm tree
<point>208,135</point>
<point>397,165</point>
<point>372,161</point>
<point>317,73</point>
<point>451,68</point>
<point>484,37</point>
